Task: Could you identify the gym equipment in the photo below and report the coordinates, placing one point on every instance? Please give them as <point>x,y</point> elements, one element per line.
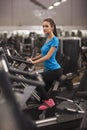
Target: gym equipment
<point>28,48</point>
<point>59,120</point>
<point>83,82</point>
<point>52,118</point>
<point>56,88</point>
<point>58,117</point>
<point>10,112</point>
<point>22,88</point>
<point>16,61</point>
<point>84,55</point>
<point>69,50</point>
<point>83,95</point>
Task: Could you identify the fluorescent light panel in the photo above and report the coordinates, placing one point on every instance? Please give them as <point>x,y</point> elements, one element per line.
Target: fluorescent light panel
<point>63,0</point>
<point>56,4</point>
<point>50,7</point>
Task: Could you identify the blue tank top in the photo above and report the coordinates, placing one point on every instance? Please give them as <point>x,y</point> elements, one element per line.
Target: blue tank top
<point>51,64</point>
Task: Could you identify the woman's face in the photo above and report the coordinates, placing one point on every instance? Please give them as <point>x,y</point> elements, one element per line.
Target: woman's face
<point>47,28</point>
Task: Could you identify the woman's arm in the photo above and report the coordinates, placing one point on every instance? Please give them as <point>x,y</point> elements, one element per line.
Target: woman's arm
<point>37,57</point>
<point>34,58</point>
<point>49,54</point>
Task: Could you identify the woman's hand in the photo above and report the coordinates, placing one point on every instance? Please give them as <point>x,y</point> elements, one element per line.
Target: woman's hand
<point>30,60</point>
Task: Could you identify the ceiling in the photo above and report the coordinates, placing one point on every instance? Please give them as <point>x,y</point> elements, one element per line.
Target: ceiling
<point>27,13</point>
<point>46,3</point>
<point>40,9</point>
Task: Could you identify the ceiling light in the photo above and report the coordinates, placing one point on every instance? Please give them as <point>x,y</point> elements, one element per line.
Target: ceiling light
<point>64,0</point>
<point>56,3</point>
<point>50,7</point>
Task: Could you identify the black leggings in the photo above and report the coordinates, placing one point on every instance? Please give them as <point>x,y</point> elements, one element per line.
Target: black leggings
<point>48,77</point>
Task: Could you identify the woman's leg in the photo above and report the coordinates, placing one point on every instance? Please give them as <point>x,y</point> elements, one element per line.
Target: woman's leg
<point>43,93</point>
<point>50,76</point>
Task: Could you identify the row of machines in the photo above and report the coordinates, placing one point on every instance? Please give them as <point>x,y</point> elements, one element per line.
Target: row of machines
<point>20,98</point>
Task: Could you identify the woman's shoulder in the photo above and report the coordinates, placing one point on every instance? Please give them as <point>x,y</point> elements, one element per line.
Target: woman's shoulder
<point>56,38</point>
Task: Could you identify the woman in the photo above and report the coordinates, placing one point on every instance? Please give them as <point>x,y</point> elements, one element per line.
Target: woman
<point>52,70</point>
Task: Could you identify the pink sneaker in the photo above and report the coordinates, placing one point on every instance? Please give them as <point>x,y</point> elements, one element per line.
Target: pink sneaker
<point>47,104</point>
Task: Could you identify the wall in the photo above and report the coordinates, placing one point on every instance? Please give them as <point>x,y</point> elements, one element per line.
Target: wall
<point>20,13</point>
<point>72,13</point>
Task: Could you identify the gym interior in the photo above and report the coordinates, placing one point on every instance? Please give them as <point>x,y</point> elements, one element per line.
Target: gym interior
<point>21,36</point>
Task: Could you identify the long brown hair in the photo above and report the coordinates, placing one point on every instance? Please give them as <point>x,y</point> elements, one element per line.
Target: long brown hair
<point>52,23</point>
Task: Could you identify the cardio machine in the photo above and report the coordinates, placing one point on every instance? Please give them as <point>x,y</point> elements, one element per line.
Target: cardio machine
<point>63,117</point>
